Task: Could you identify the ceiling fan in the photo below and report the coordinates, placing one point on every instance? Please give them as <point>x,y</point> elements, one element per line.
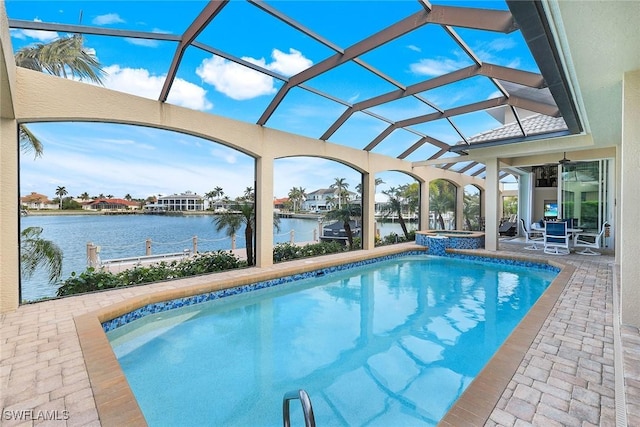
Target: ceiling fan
<point>564,159</point>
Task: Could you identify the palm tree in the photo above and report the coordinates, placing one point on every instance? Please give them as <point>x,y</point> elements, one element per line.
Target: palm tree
<point>471,210</point>
<point>330,202</point>
<point>231,221</point>
<point>377,182</point>
<point>297,195</point>
<point>60,192</point>
<point>37,252</point>
<point>293,196</point>
<point>344,214</point>
<point>340,185</point>
<point>394,205</point>
<point>249,194</point>
<point>127,196</point>
<point>210,196</point>
<point>217,192</point>
<point>302,195</point>
<point>61,57</point>
<point>243,213</point>
<point>84,196</point>
<point>442,199</point>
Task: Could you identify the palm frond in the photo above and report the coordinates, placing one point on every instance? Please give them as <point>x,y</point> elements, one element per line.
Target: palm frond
<point>61,57</point>
<point>36,252</point>
<point>29,142</point>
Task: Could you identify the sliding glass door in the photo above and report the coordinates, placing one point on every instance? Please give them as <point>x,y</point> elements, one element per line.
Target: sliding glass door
<point>585,193</point>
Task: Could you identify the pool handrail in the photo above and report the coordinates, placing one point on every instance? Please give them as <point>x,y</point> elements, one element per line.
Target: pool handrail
<point>307,408</point>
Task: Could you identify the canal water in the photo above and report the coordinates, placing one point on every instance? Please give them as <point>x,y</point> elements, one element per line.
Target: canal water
<point>121,236</point>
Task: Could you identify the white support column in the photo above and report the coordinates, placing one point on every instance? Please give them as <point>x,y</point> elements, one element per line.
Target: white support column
<point>459,207</point>
<point>424,205</point>
<point>9,196</point>
<point>629,201</point>
<point>492,208</point>
<point>9,217</point>
<point>483,208</point>
<point>525,200</point>
<point>264,212</point>
<point>368,210</point>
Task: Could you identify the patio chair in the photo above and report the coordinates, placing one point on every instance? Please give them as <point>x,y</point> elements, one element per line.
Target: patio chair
<point>589,241</point>
<point>532,237</point>
<point>556,238</point>
<point>507,228</point>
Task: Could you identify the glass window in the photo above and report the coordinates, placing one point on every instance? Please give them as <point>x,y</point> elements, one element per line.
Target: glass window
<point>583,194</point>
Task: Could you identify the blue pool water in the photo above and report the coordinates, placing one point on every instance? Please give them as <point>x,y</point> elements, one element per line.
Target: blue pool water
<point>391,343</point>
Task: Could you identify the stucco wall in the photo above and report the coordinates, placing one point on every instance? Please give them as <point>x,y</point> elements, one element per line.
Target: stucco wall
<point>630,201</point>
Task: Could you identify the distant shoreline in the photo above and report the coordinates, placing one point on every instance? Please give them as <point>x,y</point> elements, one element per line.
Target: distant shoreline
<point>58,212</point>
<point>44,212</point>
<point>110,213</point>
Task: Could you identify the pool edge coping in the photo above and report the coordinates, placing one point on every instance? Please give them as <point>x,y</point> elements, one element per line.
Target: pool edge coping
<point>115,402</point>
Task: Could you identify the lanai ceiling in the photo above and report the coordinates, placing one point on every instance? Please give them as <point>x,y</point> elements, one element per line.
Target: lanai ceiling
<point>416,80</point>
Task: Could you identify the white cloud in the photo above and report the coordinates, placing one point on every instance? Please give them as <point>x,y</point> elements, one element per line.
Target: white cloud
<point>139,82</point>
<point>107,19</point>
<point>493,51</point>
<point>500,44</point>
<point>352,99</point>
<point>240,83</point>
<point>514,63</point>
<point>146,42</point>
<point>414,48</point>
<point>288,64</point>
<point>228,155</point>
<point>142,42</point>
<point>233,80</point>
<point>436,67</point>
<point>43,36</point>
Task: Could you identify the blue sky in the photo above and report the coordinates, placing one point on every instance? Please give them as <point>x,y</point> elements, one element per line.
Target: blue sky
<point>118,159</point>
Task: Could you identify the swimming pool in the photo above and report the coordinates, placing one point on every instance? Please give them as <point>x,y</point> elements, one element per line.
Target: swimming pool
<point>392,344</point>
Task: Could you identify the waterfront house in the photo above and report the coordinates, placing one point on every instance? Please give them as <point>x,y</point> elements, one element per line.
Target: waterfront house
<point>37,201</point>
<point>324,199</point>
<point>111,205</point>
<point>186,201</point>
<point>281,204</point>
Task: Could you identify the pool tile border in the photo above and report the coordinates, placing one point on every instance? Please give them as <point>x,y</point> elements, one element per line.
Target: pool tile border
<point>117,405</point>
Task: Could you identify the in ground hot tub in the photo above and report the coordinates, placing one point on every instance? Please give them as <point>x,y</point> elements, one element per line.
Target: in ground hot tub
<point>438,241</point>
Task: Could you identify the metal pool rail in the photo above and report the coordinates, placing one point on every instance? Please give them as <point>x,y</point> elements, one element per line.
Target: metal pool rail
<point>307,408</point>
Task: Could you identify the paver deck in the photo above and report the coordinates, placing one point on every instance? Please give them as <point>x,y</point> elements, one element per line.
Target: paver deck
<point>566,376</point>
